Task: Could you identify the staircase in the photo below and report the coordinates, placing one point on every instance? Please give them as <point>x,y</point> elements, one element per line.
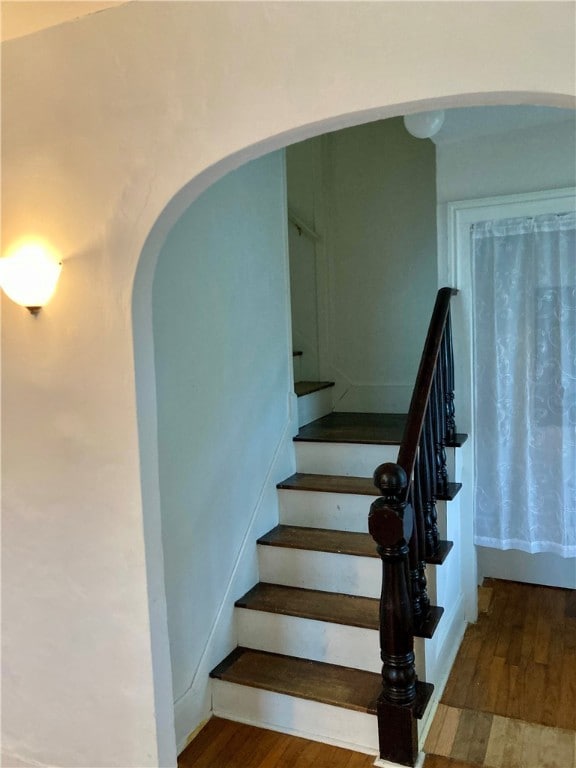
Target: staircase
<point>310,635</point>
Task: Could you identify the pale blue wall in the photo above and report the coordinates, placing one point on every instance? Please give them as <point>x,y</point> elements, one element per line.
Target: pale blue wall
<point>223,357</point>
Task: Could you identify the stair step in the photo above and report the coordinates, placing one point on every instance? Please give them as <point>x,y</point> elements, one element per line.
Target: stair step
<point>302,388</point>
<point>313,680</point>
<point>333,607</point>
<point>338,542</point>
<point>441,553</point>
<point>313,604</point>
<point>344,687</point>
<point>459,440</point>
<point>320,540</point>
<point>302,481</point>
<point>364,428</point>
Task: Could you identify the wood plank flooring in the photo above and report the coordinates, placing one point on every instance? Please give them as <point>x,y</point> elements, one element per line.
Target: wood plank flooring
<point>225,744</point>
<point>484,739</point>
<point>519,659</point>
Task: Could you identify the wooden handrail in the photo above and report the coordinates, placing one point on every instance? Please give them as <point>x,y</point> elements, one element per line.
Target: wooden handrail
<point>424,378</point>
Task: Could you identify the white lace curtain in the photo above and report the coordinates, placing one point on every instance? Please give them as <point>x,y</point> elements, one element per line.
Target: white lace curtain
<point>525,381</point>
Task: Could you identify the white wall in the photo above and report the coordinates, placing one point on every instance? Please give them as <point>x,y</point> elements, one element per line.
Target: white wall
<point>103,121</point>
<point>223,360</point>
<point>377,260</point>
<point>529,160</point>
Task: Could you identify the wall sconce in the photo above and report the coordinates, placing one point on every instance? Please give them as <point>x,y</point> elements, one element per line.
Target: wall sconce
<point>424,125</point>
<point>29,273</point>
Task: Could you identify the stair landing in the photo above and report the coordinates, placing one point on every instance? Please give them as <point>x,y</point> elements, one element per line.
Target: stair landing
<point>361,428</point>
<point>364,428</point>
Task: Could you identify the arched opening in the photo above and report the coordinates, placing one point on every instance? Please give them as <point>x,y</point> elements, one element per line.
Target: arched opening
<point>148,393</point>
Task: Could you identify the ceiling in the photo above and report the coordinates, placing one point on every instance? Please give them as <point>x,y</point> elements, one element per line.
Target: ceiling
<point>474,122</point>
<point>20,17</point>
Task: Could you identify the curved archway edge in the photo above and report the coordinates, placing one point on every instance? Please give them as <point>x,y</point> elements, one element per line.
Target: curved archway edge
<point>179,95</point>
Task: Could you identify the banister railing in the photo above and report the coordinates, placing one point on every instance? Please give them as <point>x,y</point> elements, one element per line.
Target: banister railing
<point>403,522</point>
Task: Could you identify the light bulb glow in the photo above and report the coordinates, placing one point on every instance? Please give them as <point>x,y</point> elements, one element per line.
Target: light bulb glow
<point>424,125</point>
<point>29,273</point>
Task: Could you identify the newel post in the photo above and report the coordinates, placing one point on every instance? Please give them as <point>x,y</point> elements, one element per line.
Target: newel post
<point>390,523</point>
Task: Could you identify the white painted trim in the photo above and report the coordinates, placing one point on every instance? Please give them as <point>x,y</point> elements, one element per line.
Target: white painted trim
<point>453,638</point>
<point>454,268</point>
<point>387,764</point>
<point>461,214</point>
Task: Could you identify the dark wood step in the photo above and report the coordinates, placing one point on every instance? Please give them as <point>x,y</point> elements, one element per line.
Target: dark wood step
<point>320,540</point>
<point>313,680</point>
<point>459,440</point>
<point>333,607</point>
<point>441,553</point>
<point>362,486</point>
<point>302,388</point>
<point>339,542</point>
<point>452,490</point>
<point>364,428</point>
<point>344,687</point>
<point>313,604</point>
<point>329,484</point>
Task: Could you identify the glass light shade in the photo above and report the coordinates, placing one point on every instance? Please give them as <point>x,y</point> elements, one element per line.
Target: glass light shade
<point>424,125</point>
<point>29,273</point>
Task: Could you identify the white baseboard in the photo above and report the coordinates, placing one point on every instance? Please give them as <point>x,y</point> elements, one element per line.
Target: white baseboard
<point>379,763</point>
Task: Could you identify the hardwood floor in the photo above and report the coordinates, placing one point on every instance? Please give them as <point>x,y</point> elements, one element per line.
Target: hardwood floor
<point>484,739</point>
<point>510,701</point>
<point>519,659</point>
<point>225,744</point>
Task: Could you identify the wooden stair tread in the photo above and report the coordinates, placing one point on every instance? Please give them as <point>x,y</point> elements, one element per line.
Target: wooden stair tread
<point>321,540</point>
<point>441,553</point>
<point>313,680</point>
<point>362,486</point>
<point>364,428</point>
<point>302,388</point>
<point>333,607</point>
<point>301,481</point>
<point>313,604</point>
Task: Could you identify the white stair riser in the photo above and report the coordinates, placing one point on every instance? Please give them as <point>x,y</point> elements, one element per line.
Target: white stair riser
<point>314,406</point>
<point>336,511</point>
<point>300,717</point>
<point>317,640</point>
<point>342,458</point>
<point>309,639</point>
<point>327,571</point>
